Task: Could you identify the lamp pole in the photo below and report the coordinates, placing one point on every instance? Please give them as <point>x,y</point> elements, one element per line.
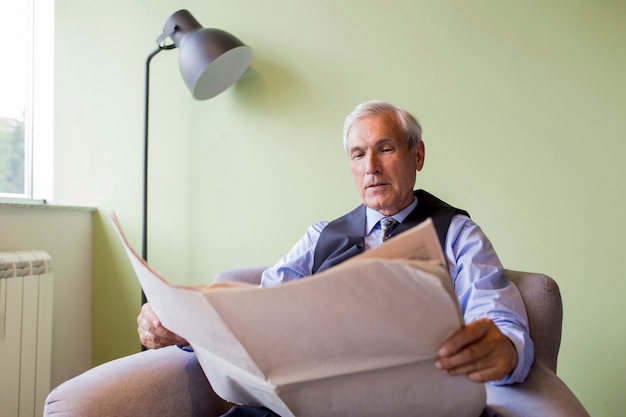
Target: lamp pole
<point>146,108</point>
<point>146,118</point>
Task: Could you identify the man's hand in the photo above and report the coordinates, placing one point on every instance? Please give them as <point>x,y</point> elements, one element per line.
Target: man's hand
<point>480,350</point>
<point>152,334</point>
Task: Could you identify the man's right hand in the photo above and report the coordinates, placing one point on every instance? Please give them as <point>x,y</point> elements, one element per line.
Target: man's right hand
<point>152,334</point>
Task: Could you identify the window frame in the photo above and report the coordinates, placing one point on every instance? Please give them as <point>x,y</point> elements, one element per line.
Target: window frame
<point>39,113</point>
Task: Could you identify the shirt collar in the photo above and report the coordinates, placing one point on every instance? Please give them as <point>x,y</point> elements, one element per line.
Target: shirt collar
<point>373,217</point>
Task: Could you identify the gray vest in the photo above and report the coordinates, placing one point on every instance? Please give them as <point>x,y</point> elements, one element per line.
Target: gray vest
<point>343,238</point>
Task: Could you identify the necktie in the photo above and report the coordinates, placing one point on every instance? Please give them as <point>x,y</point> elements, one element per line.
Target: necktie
<point>386,226</point>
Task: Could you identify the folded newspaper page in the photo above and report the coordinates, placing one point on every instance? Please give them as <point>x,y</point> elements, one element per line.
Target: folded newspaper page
<point>359,339</point>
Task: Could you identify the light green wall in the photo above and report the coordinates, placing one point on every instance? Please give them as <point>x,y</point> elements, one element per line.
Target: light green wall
<point>522,105</point>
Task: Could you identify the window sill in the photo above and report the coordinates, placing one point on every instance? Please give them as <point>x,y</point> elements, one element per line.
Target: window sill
<point>39,205</point>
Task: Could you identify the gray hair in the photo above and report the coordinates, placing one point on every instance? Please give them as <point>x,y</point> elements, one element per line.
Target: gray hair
<point>409,126</point>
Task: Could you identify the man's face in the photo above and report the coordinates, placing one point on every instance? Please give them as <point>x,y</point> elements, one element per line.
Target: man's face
<point>382,165</point>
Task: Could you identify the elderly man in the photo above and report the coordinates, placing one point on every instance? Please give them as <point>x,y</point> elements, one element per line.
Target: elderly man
<point>385,151</point>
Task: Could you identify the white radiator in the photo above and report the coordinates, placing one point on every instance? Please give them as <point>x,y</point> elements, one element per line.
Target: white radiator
<point>25,332</point>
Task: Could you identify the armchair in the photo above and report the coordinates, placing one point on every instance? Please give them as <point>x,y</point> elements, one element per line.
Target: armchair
<point>170,381</point>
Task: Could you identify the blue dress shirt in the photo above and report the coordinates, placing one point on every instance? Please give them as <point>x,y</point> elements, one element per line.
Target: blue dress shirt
<point>475,270</point>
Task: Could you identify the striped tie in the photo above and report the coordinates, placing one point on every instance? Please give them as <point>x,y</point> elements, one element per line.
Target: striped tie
<point>386,227</point>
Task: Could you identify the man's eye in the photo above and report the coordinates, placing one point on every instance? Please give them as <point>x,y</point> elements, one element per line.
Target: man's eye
<point>387,149</point>
<point>357,155</point>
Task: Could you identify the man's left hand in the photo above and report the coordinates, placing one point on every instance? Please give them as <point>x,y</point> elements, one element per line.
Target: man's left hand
<point>480,350</point>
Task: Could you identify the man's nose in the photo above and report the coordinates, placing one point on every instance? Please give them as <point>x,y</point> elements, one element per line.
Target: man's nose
<point>372,164</point>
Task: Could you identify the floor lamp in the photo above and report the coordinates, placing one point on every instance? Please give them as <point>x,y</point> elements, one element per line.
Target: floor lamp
<point>210,61</point>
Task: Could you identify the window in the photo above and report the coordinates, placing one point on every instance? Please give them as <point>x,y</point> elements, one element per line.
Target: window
<point>26,80</point>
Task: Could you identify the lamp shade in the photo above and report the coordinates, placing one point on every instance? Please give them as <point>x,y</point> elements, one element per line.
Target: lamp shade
<point>210,60</point>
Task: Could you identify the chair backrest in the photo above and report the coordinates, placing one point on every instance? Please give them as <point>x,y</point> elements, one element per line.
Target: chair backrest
<point>542,298</point>
<point>250,275</point>
<point>540,293</point>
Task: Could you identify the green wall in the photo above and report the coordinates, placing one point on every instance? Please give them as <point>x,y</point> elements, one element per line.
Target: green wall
<point>522,105</point>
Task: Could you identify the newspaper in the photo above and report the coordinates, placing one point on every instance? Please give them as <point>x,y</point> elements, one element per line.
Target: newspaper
<point>359,339</point>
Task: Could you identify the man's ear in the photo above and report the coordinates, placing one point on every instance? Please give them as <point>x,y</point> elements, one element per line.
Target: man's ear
<point>420,154</point>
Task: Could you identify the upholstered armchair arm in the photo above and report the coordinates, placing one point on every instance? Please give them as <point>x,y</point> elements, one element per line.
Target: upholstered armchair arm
<point>542,394</point>
<point>167,382</point>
